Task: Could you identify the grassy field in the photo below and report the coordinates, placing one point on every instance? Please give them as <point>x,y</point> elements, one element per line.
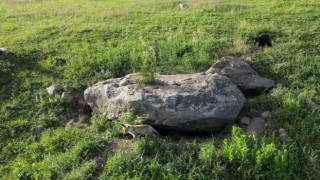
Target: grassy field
<point>67,41</point>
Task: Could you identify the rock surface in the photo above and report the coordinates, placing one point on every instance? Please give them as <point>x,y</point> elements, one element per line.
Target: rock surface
<point>266,115</point>
<point>54,89</point>
<point>183,6</point>
<point>188,102</point>
<point>313,105</point>
<point>3,51</point>
<point>242,75</point>
<point>282,132</point>
<point>257,126</point>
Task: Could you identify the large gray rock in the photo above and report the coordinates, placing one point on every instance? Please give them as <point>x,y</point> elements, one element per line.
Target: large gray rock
<point>242,75</point>
<point>188,102</point>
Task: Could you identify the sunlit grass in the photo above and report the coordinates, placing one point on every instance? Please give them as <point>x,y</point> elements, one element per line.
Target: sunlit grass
<point>150,37</point>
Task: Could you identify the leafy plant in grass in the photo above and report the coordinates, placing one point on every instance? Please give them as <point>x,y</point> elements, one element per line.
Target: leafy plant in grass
<point>241,157</point>
<point>85,171</point>
<point>250,157</point>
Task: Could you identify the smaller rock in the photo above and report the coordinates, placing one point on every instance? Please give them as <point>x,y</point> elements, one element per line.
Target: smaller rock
<point>66,97</point>
<point>241,73</point>
<point>267,124</point>
<point>284,135</point>
<point>282,132</point>
<point>266,115</point>
<point>313,105</point>
<point>245,121</point>
<point>248,58</point>
<point>37,128</point>
<point>256,126</point>
<point>4,51</point>
<point>183,6</point>
<point>54,89</point>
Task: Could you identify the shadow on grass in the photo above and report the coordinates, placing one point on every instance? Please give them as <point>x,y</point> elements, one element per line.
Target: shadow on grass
<point>19,73</point>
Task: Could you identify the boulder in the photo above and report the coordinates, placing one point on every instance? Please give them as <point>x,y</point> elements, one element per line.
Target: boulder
<point>188,102</point>
<point>241,74</point>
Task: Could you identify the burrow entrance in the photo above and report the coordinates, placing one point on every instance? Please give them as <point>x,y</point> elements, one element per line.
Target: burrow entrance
<point>262,39</point>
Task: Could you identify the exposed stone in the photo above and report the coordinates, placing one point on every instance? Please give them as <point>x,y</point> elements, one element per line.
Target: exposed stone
<point>242,75</point>
<point>183,6</point>
<point>37,128</point>
<point>266,115</point>
<point>284,135</point>
<point>3,51</point>
<point>188,102</point>
<point>245,120</point>
<point>66,97</point>
<point>256,126</point>
<point>54,89</point>
<point>282,132</point>
<point>313,105</point>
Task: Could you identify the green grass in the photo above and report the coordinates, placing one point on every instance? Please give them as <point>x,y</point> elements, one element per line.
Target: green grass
<point>66,42</point>
<point>239,158</point>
